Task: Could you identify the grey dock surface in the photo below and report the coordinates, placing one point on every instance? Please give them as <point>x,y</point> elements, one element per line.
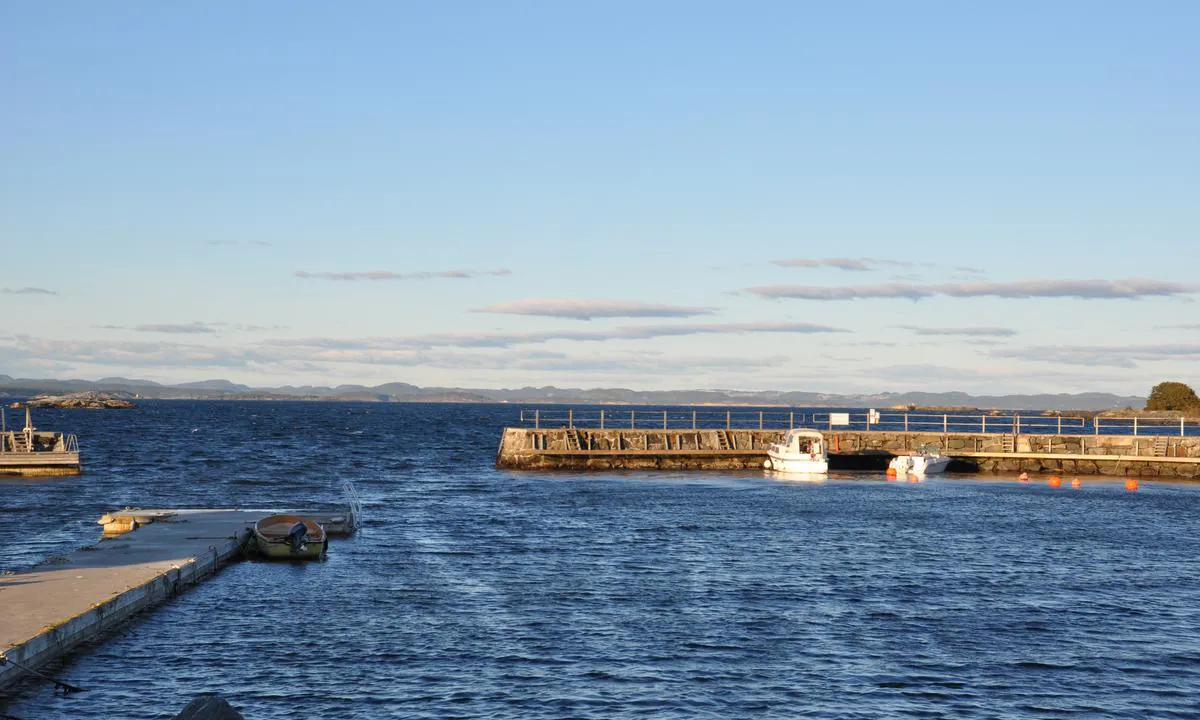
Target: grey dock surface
<point>48,611</point>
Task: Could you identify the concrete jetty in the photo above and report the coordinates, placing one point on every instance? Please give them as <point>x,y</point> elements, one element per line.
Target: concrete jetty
<point>146,557</point>
<point>576,448</point>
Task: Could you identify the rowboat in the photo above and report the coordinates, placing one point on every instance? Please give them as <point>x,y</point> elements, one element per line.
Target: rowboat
<point>290,537</point>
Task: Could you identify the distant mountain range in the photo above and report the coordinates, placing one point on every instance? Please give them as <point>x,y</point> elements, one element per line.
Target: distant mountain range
<point>404,392</point>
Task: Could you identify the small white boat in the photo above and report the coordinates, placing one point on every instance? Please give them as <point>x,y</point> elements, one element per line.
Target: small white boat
<point>290,537</point>
<point>927,461</point>
<point>802,451</point>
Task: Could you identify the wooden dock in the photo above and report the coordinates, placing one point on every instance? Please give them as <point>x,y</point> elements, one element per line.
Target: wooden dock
<point>146,557</point>
<point>576,448</point>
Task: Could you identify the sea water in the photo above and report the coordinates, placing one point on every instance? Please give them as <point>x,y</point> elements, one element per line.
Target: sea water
<point>478,593</point>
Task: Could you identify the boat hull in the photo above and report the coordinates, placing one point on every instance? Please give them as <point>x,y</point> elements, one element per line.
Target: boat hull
<point>283,551</point>
<point>806,464</point>
<point>919,465</point>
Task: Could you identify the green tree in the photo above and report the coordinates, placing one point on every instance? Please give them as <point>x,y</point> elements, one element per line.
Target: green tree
<point>1172,396</point>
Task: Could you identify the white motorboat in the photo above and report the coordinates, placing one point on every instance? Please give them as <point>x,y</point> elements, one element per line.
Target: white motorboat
<point>802,451</point>
<point>927,461</point>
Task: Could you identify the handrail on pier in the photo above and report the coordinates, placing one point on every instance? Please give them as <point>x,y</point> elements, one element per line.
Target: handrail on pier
<point>688,418</point>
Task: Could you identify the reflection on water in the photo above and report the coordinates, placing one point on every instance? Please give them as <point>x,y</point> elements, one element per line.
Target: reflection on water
<point>478,593</point>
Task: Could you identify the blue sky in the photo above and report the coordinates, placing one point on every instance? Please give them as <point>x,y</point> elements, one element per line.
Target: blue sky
<point>849,197</point>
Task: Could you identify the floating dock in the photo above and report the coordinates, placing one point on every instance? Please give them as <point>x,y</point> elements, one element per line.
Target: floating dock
<point>146,557</point>
<point>1004,448</point>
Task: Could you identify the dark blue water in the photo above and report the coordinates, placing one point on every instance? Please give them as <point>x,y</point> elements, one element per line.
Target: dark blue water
<point>484,594</point>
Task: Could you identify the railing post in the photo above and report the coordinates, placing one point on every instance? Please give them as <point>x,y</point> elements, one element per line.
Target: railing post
<point>632,419</point>
<point>602,419</point>
<point>983,423</point>
<point>571,418</point>
<point>792,421</point>
<point>945,422</point>
<point>1017,421</point>
<point>905,422</point>
<point>1060,424</point>
<point>1180,426</point>
<point>1135,425</point>
<point>537,423</point>
<point>1096,424</point>
<point>664,419</point>
<point>727,418</point>
<point>693,419</point>
<point>760,419</point>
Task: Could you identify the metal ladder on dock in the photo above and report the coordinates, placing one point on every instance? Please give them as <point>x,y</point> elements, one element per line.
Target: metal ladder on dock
<point>573,439</point>
<point>1008,443</point>
<point>1160,446</point>
<point>724,440</point>
<point>20,442</point>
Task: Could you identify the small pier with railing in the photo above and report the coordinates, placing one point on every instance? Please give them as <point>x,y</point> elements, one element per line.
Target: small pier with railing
<point>30,451</point>
<point>730,439</point>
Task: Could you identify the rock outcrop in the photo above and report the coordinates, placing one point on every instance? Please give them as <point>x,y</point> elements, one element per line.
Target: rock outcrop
<point>88,400</point>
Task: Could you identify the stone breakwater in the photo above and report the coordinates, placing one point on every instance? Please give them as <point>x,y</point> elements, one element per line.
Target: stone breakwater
<point>591,449</point>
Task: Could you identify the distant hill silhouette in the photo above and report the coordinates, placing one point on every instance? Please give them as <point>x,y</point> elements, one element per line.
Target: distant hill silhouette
<point>405,392</point>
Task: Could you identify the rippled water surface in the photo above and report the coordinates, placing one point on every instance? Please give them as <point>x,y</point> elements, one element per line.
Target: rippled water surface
<point>478,593</point>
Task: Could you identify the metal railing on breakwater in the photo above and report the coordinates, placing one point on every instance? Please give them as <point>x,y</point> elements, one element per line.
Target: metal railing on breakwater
<point>728,419</point>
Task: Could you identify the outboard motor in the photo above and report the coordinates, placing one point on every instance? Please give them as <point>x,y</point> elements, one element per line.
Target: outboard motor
<point>297,537</point>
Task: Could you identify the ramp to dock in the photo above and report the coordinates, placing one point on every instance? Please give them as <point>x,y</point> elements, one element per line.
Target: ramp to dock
<point>50,610</point>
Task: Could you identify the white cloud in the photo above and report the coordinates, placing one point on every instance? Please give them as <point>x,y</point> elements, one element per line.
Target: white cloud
<point>388,275</point>
<point>1132,288</point>
<point>589,309</point>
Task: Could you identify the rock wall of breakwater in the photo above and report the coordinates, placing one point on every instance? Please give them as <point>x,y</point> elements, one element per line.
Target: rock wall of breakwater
<point>731,449</point>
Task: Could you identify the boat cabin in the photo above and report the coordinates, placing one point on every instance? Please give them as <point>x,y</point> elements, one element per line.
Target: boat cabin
<point>806,442</point>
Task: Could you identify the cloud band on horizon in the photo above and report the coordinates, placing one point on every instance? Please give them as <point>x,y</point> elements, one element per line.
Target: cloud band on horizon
<point>1127,289</point>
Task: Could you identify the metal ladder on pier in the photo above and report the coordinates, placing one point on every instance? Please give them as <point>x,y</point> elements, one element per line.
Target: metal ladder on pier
<point>724,440</point>
<point>1008,443</point>
<point>1160,446</point>
<point>573,439</point>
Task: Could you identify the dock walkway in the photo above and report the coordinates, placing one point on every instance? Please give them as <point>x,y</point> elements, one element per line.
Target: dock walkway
<point>48,611</point>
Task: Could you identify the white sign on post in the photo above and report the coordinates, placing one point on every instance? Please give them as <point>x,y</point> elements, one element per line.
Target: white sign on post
<point>839,418</point>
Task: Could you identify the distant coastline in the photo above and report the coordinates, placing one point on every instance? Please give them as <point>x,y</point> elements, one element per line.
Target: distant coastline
<point>136,390</point>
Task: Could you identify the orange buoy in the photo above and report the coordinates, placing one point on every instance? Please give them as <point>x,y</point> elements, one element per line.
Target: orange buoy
<point>891,472</point>
<point>1131,484</point>
<point>1054,481</point>
<point>1075,483</point>
<point>1023,477</point>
